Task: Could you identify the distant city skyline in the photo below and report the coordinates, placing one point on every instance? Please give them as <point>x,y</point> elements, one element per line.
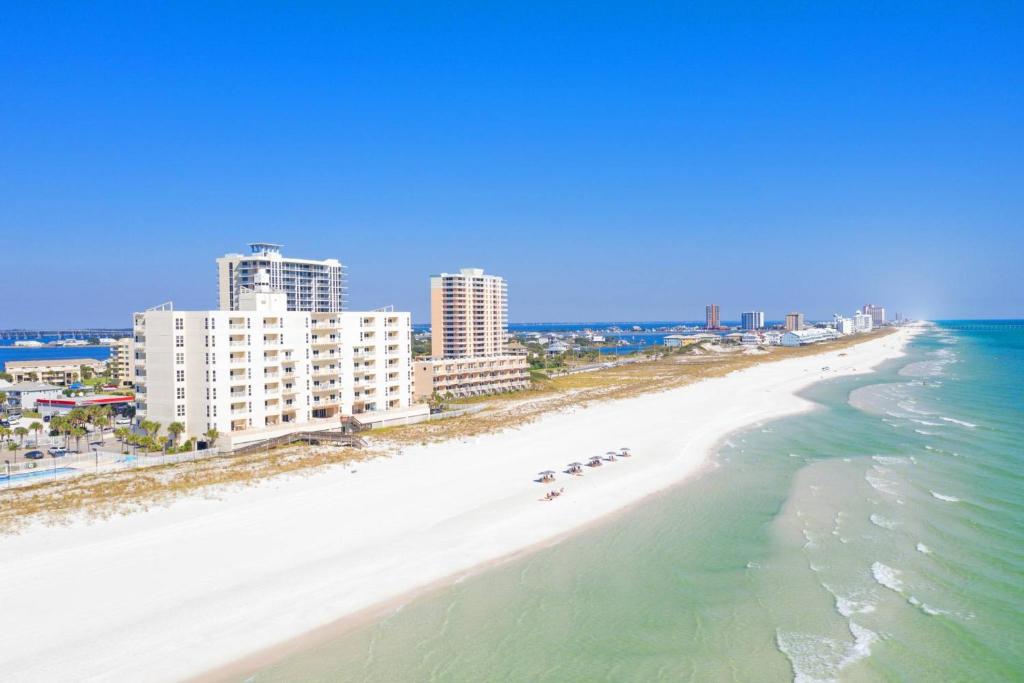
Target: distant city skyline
<point>611,163</point>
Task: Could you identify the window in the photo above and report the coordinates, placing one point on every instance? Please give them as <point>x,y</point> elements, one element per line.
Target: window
<point>181,392</point>
<point>179,323</point>
<point>179,359</point>
<point>180,411</point>
<point>179,375</point>
<point>179,341</point>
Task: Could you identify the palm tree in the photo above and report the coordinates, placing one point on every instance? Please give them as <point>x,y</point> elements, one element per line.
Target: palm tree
<point>61,425</point>
<point>122,435</point>
<point>175,429</point>
<point>78,433</point>
<point>3,398</point>
<point>21,433</point>
<point>5,432</point>
<point>211,437</point>
<point>36,427</point>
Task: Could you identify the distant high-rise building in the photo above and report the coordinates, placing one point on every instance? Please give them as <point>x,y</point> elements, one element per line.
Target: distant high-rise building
<point>309,285</point>
<point>711,315</point>
<point>752,320</point>
<point>794,321</point>
<point>876,312</point>
<point>468,314</point>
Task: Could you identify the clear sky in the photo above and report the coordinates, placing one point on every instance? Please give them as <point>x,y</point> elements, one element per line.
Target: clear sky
<point>613,163</point>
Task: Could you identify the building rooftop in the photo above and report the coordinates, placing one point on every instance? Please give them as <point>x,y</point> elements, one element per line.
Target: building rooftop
<point>33,386</point>
<point>59,362</point>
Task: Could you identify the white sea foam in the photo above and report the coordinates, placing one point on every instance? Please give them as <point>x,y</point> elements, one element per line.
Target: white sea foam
<point>926,423</point>
<point>887,576</point>
<point>850,604</point>
<point>881,484</point>
<point>883,522</point>
<point>889,459</point>
<point>921,431</point>
<point>948,499</point>
<point>922,548</point>
<point>969,425</point>
<point>816,659</point>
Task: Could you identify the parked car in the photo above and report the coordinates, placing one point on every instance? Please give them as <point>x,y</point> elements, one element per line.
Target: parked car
<point>46,418</point>
<point>34,455</point>
<point>57,451</point>
<point>123,420</point>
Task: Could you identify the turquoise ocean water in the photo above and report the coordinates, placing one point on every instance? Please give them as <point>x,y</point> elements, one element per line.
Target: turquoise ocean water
<point>879,538</point>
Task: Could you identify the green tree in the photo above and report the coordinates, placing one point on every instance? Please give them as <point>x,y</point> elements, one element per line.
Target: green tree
<point>211,437</point>
<point>21,433</point>
<point>36,427</point>
<point>122,434</point>
<point>5,433</point>
<point>174,430</point>
<point>78,433</point>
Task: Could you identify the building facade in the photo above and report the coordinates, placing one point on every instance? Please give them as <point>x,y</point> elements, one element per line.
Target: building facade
<point>794,322</point>
<point>809,336</point>
<point>712,320</point>
<point>468,314</point>
<point>752,320</point>
<point>263,371</point>
<point>876,312</point>
<point>64,371</point>
<point>862,322</point>
<point>121,364</point>
<point>309,285</point>
<point>844,326</point>
<point>476,376</point>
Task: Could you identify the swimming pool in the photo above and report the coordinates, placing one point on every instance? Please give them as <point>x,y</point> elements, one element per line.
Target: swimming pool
<point>38,474</point>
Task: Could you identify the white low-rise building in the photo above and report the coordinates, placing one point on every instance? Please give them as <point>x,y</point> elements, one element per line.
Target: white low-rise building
<point>262,370</point>
<point>862,322</point>
<point>811,335</point>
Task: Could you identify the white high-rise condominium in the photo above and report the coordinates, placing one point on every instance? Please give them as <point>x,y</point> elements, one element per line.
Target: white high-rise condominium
<point>262,371</point>
<point>468,314</point>
<point>309,285</point>
<point>752,320</point>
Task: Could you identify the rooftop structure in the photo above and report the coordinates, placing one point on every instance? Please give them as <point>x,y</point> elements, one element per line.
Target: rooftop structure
<point>809,336</point>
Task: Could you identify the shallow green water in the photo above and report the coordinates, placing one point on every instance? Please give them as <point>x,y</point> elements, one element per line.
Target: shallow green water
<point>879,538</point>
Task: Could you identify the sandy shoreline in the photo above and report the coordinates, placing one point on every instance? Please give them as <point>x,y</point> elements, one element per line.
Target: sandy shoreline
<point>214,587</point>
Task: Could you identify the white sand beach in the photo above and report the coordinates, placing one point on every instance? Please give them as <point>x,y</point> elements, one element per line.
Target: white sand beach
<point>181,590</point>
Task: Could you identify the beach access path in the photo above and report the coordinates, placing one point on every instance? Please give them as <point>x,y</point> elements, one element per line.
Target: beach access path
<point>216,583</point>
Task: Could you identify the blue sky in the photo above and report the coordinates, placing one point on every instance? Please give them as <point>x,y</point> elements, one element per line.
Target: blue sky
<point>613,163</point>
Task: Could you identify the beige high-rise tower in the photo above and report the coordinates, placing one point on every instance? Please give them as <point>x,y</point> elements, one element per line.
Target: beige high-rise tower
<point>468,314</point>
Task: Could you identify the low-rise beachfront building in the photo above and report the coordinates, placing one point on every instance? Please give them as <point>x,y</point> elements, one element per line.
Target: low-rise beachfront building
<point>64,371</point>
<point>773,338</point>
<point>61,405</point>
<point>263,371</point>
<point>24,395</point>
<point>461,377</point>
<point>812,335</point>
<point>121,364</point>
<point>29,343</point>
<point>751,339</point>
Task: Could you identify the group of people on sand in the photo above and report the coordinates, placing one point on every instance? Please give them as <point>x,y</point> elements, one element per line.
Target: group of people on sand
<point>552,494</point>
<point>576,469</point>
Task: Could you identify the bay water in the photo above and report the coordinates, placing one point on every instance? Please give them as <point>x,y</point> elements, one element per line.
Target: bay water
<point>877,538</point>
